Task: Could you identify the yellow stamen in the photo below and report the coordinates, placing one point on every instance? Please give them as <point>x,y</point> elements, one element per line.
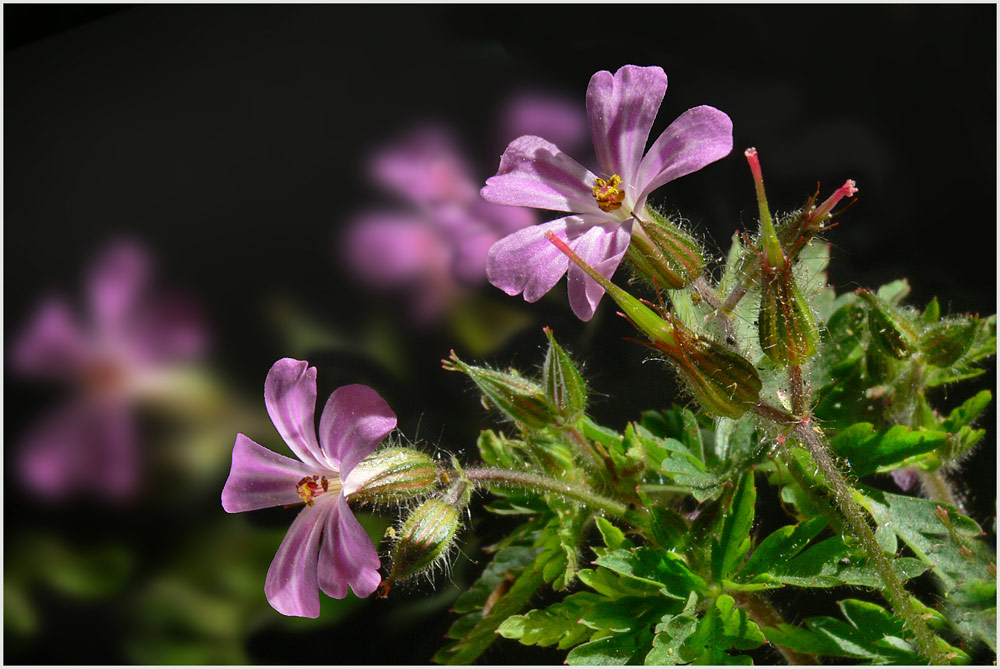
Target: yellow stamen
<point>311,487</point>
<point>607,194</point>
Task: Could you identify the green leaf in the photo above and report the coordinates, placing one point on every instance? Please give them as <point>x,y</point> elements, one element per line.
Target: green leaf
<point>724,627</point>
<point>734,542</point>
<point>625,628</point>
<point>894,291</point>
<point>967,412</point>
<point>675,462</point>
<point>476,630</point>
<point>952,546</point>
<point>868,451</point>
<point>665,570</point>
<point>558,625</point>
<point>870,633</point>
<point>781,546</point>
<point>613,537</point>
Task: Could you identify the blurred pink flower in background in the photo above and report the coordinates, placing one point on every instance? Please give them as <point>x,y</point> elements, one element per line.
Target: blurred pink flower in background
<point>120,356</point>
<point>559,119</point>
<point>434,247</point>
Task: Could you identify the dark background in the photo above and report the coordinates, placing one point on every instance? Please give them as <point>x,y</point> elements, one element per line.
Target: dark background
<point>227,137</point>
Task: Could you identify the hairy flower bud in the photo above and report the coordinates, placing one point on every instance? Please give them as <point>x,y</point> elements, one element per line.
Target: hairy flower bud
<point>425,538</point>
<point>890,329</point>
<point>944,343</point>
<point>723,381</point>
<point>785,325</point>
<point>396,474</point>
<point>564,385</point>
<point>520,399</point>
<point>663,253</point>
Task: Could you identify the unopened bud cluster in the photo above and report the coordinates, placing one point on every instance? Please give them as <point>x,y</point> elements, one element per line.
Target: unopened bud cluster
<point>560,398</point>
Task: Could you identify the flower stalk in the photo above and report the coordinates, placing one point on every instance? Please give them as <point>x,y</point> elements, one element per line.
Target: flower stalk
<point>843,496</point>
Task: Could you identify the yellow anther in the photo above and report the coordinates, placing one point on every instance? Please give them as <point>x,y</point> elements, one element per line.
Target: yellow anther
<point>311,487</point>
<point>607,194</point>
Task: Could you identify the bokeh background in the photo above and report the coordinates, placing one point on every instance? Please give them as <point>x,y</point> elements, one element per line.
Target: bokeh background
<point>234,144</point>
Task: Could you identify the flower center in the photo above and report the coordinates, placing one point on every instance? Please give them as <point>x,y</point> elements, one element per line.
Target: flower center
<point>609,197</point>
<point>311,487</point>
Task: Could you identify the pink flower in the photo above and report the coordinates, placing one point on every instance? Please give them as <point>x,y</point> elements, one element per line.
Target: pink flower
<point>325,548</point>
<point>435,247</point>
<point>118,359</point>
<point>534,172</point>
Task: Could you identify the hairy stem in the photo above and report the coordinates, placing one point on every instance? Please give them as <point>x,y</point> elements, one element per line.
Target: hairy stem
<point>937,487</point>
<point>765,615</point>
<point>703,288</point>
<point>537,483</point>
<point>799,399</point>
<point>843,495</point>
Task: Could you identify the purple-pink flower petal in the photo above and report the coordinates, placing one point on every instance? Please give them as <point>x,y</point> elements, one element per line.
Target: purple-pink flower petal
<point>533,172</point>
<point>84,446</point>
<point>425,167</point>
<point>260,479</point>
<point>697,137</point>
<point>116,280</point>
<point>526,262</point>
<point>387,249</point>
<point>354,421</point>
<point>347,556</point>
<point>169,329</point>
<point>558,119</point>
<point>292,584</point>
<point>52,345</point>
<point>603,249</point>
<point>290,397</point>
<point>621,109</point>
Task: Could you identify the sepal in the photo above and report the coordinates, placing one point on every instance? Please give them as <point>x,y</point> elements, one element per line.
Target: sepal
<point>520,399</point>
<point>563,383</point>
<point>663,254</point>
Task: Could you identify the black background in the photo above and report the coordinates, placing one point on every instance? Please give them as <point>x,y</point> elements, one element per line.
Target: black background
<point>227,137</point>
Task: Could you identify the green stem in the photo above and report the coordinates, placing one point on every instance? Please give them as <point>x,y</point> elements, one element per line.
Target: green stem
<point>937,487</point>
<point>536,483</point>
<point>843,496</point>
<point>708,293</point>
<point>894,590</point>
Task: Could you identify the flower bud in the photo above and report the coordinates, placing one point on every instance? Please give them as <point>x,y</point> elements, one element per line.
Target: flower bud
<point>723,381</point>
<point>564,385</point>
<point>944,343</point>
<point>785,325</point>
<point>395,474</point>
<point>663,253</point>
<point>520,399</point>
<point>424,539</point>
<point>890,329</point>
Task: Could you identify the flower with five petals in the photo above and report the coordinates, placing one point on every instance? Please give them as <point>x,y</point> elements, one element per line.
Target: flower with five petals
<point>325,548</point>
<point>533,172</point>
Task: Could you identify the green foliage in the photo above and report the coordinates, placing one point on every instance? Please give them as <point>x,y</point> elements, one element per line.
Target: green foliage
<point>650,543</point>
<point>868,632</point>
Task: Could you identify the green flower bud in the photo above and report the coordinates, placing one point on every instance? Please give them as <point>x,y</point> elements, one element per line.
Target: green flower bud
<point>564,385</point>
<point>663,253</point>
<point>890,329</point>
<point>944,343</point>
<point>522,400</point>
<point>786,328</point>
<point>396,474</point>
<point>425,538</point>
<point>723,381</point>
